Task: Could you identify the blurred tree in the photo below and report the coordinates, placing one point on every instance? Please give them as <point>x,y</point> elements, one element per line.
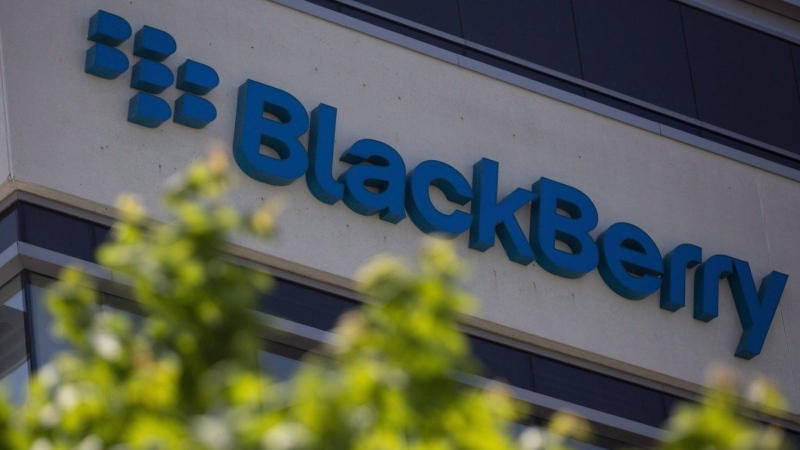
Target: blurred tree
<point>188,377</point>
<point>717,423</point>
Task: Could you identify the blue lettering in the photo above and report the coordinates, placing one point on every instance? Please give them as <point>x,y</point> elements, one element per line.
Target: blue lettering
<point>756,309</point>
<point>548,226</point>
<point>630,262</point>
<point>321,136</point>
<point>562,217</point>
<point>706,286</point>
<point>254,130</point>
<point>673,287</point>
<point>418,202</point>
<point>377,183</point>
<point>490,217</point>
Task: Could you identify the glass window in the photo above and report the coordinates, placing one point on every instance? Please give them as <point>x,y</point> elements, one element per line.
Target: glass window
<point>280,361</point>
<point>539,31</point>
<point>671,401</point>
<point>524,72</point>
<point>45,344</point>
<point>796,61</point>
<point>641,112</point>
<point>664,53</point>
<point>757,151</point>
<point>9,227</point>
<point>101,234</point>
<point>598,391</point>
<point>636,48</point>
<point>127,308</point>
<point>304,305</point>
<point>441,15</point>
<point>14,362</point>
<point>744,80</point>
<point>793,438</point>
<point>57,231</point>
<point>503,363</point>
<point>411,32</point>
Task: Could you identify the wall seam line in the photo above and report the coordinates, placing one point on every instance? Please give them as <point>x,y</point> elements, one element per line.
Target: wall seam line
<point>772,266</point>
<point>4,99</point>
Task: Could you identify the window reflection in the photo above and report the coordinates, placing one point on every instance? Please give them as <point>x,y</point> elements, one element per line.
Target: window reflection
<point>280,361</point>
<point>45,344</point>
<point>128,308</point>
<point>14,362</point>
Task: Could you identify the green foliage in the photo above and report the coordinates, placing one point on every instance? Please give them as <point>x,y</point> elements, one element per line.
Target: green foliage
<point>717,422</point>
<point>182,373</point>
<point>187,378</point>
<point>390,383</point>
<point>5,413</point>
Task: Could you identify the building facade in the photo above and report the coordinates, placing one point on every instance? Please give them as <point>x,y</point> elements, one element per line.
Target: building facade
<point>620,176</point>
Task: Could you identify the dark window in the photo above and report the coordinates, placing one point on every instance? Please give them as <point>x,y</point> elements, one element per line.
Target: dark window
<point>441,15</point>
<point>661,52</point>
<point>793,438</point>
<point>14,361</point>
<point>101,235</point>
<point>744,80</point>
<point>46,345</point>
<point>304,305</point>
<point>636,48</point>
<point>503,363</point>
<point>57,232</point>
<point>671,401</point>
<point>757,151</point>
<point>9,227</point>
<point>524,72</point>
<point>402,29</point>
<point>796,61</point>
<point>598,391</point>
<point>539,31</point>
<point>280,361</point>
<point>642,112</point>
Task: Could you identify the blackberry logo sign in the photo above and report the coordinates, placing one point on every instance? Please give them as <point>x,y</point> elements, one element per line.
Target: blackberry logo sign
<point>378,183</point>
<point>149,76</point>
